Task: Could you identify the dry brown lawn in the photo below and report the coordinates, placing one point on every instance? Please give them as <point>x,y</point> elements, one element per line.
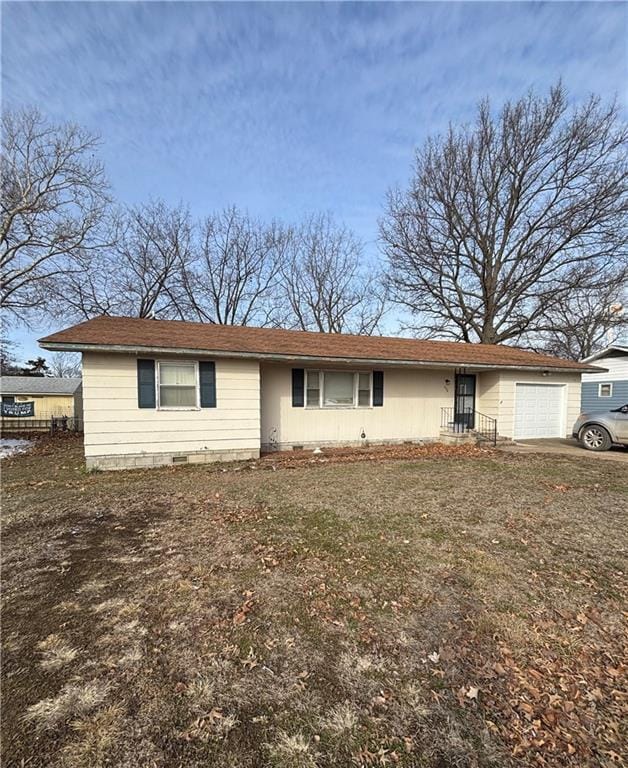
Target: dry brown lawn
<point>411,608</point>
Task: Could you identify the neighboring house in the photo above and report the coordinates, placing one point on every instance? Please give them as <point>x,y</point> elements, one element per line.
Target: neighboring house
<point>608,389</point>
<point>158,391</point>
<point>49,396</point>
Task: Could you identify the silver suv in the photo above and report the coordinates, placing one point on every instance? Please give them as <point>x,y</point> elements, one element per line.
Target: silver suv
<point>597,431</point>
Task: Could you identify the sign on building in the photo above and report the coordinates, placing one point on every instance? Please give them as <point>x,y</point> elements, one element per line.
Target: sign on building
<point>18,410</point>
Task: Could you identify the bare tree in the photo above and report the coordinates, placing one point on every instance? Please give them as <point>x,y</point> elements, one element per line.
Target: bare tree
<point>155,246</point>
<point>140,275</point>
<point>324,281</point>
<point>65,364</point>
<point>54,195</point>
<point>505,219</point>
<point>88,291</point>
<point>8,356</point>
<point>583,323</point>
<point>235,271</point>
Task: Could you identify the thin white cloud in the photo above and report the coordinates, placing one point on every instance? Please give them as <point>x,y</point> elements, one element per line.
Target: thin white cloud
<point>283,107</point>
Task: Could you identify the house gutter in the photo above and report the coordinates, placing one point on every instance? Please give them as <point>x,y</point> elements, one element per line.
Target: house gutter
<point>37,394</point>
<point>274,357</point>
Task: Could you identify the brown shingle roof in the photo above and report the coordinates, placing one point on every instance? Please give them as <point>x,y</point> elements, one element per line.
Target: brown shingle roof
<point>133,334</point>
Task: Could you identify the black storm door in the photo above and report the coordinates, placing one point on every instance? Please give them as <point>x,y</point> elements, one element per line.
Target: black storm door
<point>464,400</point>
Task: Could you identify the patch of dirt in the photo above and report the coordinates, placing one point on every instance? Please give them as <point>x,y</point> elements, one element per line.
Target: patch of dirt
<point>57,570</point>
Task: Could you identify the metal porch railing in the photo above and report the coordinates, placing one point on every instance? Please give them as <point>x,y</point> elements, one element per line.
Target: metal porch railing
<point>468,420</point>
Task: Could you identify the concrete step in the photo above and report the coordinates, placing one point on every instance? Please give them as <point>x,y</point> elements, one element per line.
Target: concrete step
<point>470,436</point>
<point>500,438</point>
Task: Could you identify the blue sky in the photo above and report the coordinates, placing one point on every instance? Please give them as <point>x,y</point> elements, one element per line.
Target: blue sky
<point>284,108</point>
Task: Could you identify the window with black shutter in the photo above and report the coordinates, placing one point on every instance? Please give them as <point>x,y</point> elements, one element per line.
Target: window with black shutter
<point>378,388</point>
<point>207,378</point>
<point>146,384</point>
<point>298,381</point>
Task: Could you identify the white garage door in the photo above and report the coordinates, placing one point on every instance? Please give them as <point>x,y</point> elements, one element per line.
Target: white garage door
<point>538,411</point>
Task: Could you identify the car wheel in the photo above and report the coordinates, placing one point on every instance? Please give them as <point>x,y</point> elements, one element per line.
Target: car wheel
<point>595,438</point>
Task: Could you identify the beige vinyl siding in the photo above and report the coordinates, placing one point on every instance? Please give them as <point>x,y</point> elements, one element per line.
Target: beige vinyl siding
<point>488,393</point>
<point>411,409</point>
<point>254,406</point>
<point>116,426</point>
<point>508,381</point>
<point>49,405</point>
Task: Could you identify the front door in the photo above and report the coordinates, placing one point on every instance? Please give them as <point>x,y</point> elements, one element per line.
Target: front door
<point>464,400</point>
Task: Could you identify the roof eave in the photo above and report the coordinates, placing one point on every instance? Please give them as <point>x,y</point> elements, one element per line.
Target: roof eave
<point>37,394</point>
<point>604,352</point>
<point>279,357</point>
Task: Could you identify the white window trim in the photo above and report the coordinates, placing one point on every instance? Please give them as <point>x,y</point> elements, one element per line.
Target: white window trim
<point>605,384</point>
<point>161,407</point>
<point>321,390</point>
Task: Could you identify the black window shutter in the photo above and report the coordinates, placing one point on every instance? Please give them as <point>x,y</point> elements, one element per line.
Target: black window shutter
<point>378,387</point>
<point>146,384</point>
<point>207,376</point>
<point>298,381</point>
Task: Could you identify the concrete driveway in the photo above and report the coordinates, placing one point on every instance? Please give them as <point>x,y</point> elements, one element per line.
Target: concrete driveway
<point>567,447</point>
